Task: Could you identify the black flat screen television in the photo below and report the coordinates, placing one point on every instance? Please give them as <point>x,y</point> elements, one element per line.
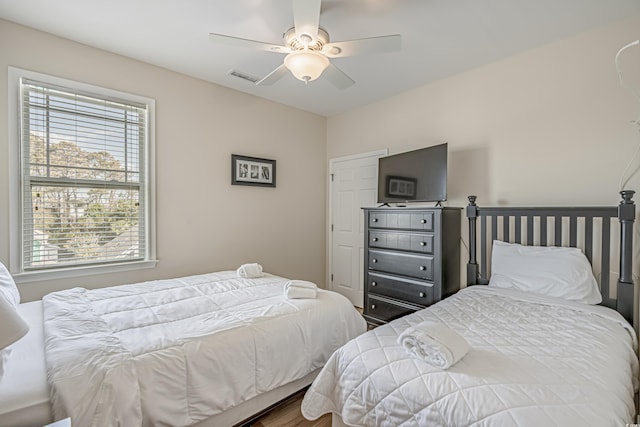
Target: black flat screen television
<point>414,176</point>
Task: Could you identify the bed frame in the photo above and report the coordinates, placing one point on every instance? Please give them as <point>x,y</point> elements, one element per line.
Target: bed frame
<point>588,228</point>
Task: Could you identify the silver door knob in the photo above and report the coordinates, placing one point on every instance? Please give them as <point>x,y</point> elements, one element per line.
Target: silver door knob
<point>375,239</point>
<point>374,283</point>
<point>423,221</point>
<point>374,260</point>
<point>373,306</point>
<point>422,294</point>
<point>374,219</point>
<point>423,243</point>
<point>423,268</point>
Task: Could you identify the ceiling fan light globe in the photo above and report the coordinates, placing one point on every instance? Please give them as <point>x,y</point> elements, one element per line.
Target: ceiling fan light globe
<point>306,65</point>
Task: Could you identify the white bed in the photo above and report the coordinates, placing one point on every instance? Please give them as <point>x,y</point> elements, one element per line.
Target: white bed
<point>534,361</point>
<point>546,343</point>
<point>202,350</point>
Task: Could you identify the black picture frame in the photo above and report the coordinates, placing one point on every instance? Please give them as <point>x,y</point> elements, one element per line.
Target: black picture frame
<point>253,171</point>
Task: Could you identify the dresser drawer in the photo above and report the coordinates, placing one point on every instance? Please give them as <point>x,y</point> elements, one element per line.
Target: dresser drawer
<point>386,311</point>
<point>422,221</point>
<point>405,264</point>
<point>412,291</point>
<point>415,242</point>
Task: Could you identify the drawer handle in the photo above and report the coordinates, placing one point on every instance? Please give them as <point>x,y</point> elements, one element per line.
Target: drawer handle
<point>423,243</point>
<point>374,283</point>
<point>423,221</point>
<point>422,295</point>
<point>373,306</point>
<point>423,268</point>
<point>374,219</point>
<point>375,239</point>
<point>374,260</point>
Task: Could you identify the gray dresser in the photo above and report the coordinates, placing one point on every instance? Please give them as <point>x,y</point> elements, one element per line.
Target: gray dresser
<point>411,259</point>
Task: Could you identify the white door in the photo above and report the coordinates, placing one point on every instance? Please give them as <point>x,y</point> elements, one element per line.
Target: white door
<point>353,185</point>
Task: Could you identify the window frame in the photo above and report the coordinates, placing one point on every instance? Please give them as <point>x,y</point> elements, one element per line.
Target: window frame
<point>16,165</point>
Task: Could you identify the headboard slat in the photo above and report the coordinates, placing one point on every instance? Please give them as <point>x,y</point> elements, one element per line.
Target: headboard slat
<point>588,238</point>
<point>573,231</point>
<point>494,227</point>
<point>558,230</point>
<point>505,227</point>
<point>529,230</point>
<point>483,248</point>
<point>518,229</point>
<point>605,261</point>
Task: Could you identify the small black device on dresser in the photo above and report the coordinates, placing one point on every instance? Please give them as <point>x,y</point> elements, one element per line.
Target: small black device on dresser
<point>412,259</point>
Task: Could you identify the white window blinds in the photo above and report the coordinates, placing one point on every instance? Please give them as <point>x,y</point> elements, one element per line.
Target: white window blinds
<point>83,178</point>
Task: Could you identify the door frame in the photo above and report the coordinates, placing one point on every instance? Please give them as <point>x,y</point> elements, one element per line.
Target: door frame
<point>329,252</point>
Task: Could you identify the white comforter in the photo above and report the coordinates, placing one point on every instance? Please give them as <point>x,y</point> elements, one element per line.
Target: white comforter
<point>531,363</point>
<point>175,352</point>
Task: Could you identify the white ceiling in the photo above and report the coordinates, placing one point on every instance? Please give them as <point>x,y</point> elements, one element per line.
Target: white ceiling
<point>439,37</point>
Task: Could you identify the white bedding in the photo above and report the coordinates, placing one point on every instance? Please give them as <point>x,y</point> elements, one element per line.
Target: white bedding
<point>175,352</point>
<point>536,362</point>
<point>24,392</point>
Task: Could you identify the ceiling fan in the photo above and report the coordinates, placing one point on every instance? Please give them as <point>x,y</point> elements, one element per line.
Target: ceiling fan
<point>308,48</point>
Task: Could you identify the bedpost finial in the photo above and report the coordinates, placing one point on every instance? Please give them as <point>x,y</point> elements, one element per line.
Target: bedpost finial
<point>627,195</point>
<point>472,209</point>
<point>627,208</point>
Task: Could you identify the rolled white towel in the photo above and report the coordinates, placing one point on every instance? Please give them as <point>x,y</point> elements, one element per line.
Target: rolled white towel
<point>300,289</point>
<point>249,271</point>
<point>435,343</point>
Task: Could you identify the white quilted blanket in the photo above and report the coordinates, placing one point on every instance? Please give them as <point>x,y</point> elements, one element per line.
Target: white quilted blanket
<point>531,363</point>
<point>175,352</point>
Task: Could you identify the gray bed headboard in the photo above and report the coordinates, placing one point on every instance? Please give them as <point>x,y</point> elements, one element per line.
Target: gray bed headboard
<point>588,228</point>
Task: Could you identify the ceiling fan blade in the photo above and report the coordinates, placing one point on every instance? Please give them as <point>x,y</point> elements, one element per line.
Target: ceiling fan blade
<point>367,46</point>
<point>253,44</point>
<point>273,76</point>
<point>306,17</point>
<point>337,77</point>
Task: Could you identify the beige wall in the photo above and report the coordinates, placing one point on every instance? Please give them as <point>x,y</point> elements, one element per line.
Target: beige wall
<point>548,126</point>
<point>203,223</point>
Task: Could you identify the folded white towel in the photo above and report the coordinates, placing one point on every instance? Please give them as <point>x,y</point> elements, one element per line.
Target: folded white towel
<point>300,289</point>
<point>249,271</point>
<point>435,343</point>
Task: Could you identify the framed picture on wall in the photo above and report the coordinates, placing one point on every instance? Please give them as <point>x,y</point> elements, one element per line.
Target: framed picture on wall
<point>252,171</point>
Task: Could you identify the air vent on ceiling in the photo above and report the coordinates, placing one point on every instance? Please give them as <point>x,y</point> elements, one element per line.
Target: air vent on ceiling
<point>243,76</point>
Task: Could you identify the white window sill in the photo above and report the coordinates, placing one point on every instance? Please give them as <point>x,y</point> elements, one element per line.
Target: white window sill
<point>63,273</point>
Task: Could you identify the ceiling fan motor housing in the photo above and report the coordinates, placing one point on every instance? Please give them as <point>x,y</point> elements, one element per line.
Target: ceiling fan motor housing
<point>298,43</point>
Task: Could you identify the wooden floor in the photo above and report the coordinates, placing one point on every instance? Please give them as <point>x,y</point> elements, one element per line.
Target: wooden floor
<point>289,415</point>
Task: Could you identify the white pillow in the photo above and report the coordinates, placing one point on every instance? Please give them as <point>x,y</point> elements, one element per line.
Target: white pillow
<point>548,270</point>
<point>8,286</point>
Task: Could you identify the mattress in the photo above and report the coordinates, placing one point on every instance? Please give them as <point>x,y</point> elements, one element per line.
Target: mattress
<point>24,392</point>
<point>533,361</point>
<point>177,352</point>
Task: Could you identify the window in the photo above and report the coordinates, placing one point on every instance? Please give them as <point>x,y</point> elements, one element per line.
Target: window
<point>84,179</point>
